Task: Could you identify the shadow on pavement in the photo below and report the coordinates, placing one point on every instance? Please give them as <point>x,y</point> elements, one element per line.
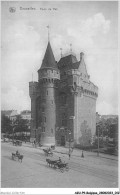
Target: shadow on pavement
<point>10,158</point>
<point>48,167</point>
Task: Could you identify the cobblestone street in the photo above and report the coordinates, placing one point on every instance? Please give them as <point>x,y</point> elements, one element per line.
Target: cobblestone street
<point>88,172</point>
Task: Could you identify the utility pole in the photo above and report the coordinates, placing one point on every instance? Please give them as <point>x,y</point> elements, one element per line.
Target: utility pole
<point>71,48</point>
<point>61,52</point>
<point>69,145</point>
<point>98,142</point>
<point>13,128</point>
<point>71,125</point>
<point>13,134</point>
<point>35,137</point>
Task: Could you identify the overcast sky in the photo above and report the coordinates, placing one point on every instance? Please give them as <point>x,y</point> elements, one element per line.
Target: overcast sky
<point>91,27</point>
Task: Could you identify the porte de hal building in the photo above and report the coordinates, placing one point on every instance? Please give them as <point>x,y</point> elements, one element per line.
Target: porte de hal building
<point>63,101</point>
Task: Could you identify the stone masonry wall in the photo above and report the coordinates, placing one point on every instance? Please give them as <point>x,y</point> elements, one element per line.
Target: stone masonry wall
<point>85,114</point>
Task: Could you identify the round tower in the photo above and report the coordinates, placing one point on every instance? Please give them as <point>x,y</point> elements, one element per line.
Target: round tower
<point>48,76</point>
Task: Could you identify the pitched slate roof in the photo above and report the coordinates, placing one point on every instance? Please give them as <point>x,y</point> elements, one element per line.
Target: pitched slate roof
<point>70,61</point>
<point>49,60</point>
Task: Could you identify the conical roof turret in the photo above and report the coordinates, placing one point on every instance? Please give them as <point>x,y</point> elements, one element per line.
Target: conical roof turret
<point>49,59</point>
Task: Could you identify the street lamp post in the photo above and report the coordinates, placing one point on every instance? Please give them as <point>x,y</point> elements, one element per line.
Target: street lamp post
<point>70,118</point>
<point>35,134</point>
<point>69,145</point>
<point>98,142</point>
<point>13,134</point>
<point>33,130</point>
<point>13,128</point>
<point>35,137</point>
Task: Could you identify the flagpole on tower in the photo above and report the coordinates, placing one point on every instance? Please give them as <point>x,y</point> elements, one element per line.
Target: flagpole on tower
<point>71,47</point>
<point>32,77</point>
<point>48,27</point>
<point>61,51</point>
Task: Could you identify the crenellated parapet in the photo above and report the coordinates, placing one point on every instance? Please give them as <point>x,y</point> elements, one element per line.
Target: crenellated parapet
<point>48,82</point>
<point>90,89</point>
<point>48,73</point>
<point>82,88</point>
<point>86,91</point>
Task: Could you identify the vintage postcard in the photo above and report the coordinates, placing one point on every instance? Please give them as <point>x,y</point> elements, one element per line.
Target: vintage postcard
<point>59,97</point>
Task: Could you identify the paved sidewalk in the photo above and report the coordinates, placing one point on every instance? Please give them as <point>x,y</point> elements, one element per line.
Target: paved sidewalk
<point>77,153</point>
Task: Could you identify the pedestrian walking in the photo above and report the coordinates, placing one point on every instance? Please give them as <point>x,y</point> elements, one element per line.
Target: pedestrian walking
<point>69,155</point>
<point>34,143</point>
<point>82,154</point>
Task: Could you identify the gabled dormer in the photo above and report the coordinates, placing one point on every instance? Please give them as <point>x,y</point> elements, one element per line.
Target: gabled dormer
<point>68,61</point>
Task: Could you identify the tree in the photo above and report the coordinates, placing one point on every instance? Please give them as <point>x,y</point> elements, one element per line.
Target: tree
<point>6,125</point>
<point>104,126</point>
<point>20,125</point>
<point>101,126</point>
<point>112,126</point>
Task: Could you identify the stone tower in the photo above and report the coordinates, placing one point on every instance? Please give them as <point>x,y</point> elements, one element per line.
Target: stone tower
<point>43,100</point>
<point>63,101</point>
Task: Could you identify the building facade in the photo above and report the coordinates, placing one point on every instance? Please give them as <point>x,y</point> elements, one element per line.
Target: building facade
<point>26,114</point>
<point>11,114</point>
<point>63,101</point>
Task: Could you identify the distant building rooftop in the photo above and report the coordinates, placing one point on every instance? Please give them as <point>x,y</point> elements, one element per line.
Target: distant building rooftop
<point>9,112</point>
<point>108,116</point>
<point>26,112</point>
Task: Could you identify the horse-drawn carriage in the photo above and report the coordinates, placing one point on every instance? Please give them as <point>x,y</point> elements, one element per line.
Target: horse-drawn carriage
<point>17,142</point>
<point>48,152</point>
<point>17,155</point>
<point>53,147</point>
<point>58,164</point>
